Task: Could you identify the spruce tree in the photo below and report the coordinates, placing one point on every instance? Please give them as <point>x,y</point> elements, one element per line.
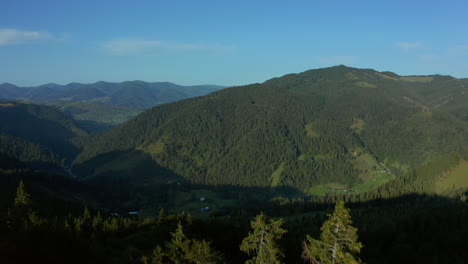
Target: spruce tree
<point>178,246</point>
<point>182,250</point>
<point>22,198</point>
<point>338,243</point>
<point>261,242</point>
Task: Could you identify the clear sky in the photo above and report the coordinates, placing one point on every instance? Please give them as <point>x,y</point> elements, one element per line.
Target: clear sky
<point>225,42</point>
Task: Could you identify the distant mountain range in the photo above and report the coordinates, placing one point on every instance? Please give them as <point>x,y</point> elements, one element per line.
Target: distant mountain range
<point>102,105</point>
<point>130,94</point>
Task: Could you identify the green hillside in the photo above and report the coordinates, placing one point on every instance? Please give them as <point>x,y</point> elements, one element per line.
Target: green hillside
<point>290,148</point>
<point>38,134</point>
<point>96,117</point>
<point>341,126</point>
<point>103,105</point>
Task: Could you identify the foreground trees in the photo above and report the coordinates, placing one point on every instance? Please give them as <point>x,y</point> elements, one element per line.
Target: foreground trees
<point>261,242</point>
<point>338,243</point>
<point>182,250</point>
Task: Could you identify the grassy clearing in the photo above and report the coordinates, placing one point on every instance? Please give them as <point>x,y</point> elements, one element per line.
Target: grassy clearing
<point>351,76</point>
<point>385,76</point>
<point>455,179</point>
<point>276,175</point>
<point>154,149</point>
<point>7,105</point>
<point>365,85</point>
<point>371,172</point>
<point>190,202</point>
<point>373,183</point>
<point>105,114</point>
<point>368,166</point>
<point>320,190</point>
<point>416,78</point>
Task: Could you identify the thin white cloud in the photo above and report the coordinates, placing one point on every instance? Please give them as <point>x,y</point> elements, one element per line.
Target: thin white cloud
<point>9,36</point>
<point>336,60</point>
<point>407,46</point>
<point>138,46</point>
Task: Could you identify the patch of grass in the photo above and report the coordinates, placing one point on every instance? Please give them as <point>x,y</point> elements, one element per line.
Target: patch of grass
<point>365,85</point>
<point>303,157</point>
<point>385,76</point>
<point>373,183</point>
<point>455,179</point>
<point>318,190</point>
<point>190,202</point>
<point>100,113</point>
<point>351,76</point>
<point>371,172</point>
<point>276,175</point>
<point>154,149</point>
<point>369,168</point>
<point>416,78</point>
<point>7,105</point>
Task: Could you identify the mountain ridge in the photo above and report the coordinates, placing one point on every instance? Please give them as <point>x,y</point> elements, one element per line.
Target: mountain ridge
<point>159,92</point>
<point>337,125</point>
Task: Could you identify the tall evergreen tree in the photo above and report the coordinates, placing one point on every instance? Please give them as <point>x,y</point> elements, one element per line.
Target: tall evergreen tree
<point>262,241</point>
<point>338,243</point>
<point>182,250</point>
<point>22,197</point>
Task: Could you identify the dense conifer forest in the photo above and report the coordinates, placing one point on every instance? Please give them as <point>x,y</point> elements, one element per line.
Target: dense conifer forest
<point>373,163</point>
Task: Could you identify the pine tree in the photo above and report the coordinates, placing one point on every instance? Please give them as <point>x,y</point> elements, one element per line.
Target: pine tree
<point>262,241</point>
<point>178,246</point>
<point>22,198</point>
<point>338,243</point>
<point>158,257</point>
<point>21,214</point>
<point>87,215</point>
<point>183,250</point>
<point>200,252</point>
<point>97,222</point>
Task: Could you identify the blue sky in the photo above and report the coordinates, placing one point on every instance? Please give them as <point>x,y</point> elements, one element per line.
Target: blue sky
<point>225,42</point>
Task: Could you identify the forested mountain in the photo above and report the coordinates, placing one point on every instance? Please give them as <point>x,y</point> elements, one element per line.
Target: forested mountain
<point>333,129</point>
<point>194,174</point>
<point>38,134</point>
<point>103,105</point>
<point>132,94</point>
